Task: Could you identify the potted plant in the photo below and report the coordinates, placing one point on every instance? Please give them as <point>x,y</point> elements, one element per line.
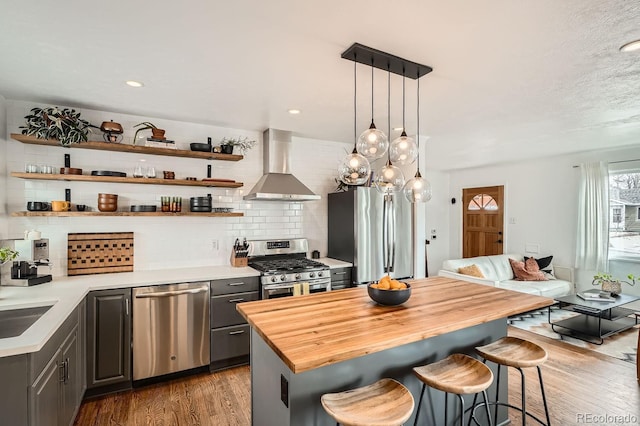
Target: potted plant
<point>63,124</point>
<point>610,284</point>
<point>244,144</point>
<point>156,133</point>
<point>7,254</point>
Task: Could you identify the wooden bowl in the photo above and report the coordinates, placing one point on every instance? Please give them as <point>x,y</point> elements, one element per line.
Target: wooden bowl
<point>389,297</point>
<point>70,171</point>
<point>107,197</point>
<point>108,207</point>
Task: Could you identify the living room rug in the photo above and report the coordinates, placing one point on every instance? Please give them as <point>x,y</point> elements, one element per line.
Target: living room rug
<point>622,345</point>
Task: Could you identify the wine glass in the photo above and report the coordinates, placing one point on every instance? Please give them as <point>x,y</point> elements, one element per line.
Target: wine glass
<point>151,172</point>
<point>137,171</point>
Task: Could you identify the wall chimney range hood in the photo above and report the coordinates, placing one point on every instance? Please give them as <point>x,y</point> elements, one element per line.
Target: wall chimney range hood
<point>277,183</point>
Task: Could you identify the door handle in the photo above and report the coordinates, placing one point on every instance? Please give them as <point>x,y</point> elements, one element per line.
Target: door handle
<point>172,293</point>
<point>236,300</point>
<point>236,284</point>
<point>61,374</point>
<point>499,232</point>
<point>232,333</point>
<point>499,241</point>
<point>66,370</point>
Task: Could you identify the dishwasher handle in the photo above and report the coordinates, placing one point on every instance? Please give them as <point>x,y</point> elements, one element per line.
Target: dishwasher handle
<point>172,293</point>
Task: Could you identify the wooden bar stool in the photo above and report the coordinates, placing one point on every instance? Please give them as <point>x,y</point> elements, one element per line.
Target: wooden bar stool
<point>383,403</point>
<point>517,353</point>
<point>459,374</point>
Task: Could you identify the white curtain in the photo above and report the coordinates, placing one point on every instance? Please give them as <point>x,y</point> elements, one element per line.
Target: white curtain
<point>593,218</point>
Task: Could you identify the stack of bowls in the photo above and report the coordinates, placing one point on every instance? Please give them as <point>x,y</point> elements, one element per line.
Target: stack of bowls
<point>200,204</point>
<point>107,202</point>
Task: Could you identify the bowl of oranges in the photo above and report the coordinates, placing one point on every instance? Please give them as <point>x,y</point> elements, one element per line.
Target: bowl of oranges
<point>389,292</point>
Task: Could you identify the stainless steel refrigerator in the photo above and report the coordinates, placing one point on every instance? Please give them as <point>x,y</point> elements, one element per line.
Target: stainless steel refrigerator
<point>372,231</point>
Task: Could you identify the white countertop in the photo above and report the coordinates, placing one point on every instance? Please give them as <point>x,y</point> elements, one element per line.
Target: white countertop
<point>64,294</point>
<point>334,263</point>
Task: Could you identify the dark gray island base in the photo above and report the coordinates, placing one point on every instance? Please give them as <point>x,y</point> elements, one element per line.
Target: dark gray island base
<point>303,347</point>
<point>270,376</point>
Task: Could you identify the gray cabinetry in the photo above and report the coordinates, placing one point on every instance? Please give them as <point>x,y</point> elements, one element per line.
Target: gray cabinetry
<point>340,278</point>
<point>229,331</point>
<point>56,387</point>
<point>108,341</point>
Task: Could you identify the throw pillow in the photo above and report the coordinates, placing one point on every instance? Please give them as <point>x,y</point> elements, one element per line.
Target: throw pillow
<point>545,265</point>
<point>471,270</point>
<point>527,271</point>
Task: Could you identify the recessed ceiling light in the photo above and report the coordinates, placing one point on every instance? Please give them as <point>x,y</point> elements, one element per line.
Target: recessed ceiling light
<point>294,111</point>
<point>134,83</point>
<point>631,46</point>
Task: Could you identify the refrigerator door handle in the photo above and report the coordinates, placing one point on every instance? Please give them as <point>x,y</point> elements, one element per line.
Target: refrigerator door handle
<point>385,229</point>
<point>392,238</point>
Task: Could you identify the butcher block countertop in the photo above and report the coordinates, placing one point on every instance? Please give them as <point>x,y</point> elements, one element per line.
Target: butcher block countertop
<point>308,332</point>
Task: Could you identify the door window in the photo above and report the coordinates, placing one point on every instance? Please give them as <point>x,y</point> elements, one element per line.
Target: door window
<point>482,202</point>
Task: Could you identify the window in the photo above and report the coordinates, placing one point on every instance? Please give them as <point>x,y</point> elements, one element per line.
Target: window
<point>624,222</point>
<point>482,202</point>
<point>616,215</point>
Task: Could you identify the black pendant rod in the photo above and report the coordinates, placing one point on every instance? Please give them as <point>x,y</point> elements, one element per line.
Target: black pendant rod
<point>389,111</point>
<point>418,127</point>
<point>383,60</point>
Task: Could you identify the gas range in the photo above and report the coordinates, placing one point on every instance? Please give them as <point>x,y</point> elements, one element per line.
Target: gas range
<point>283,265</point>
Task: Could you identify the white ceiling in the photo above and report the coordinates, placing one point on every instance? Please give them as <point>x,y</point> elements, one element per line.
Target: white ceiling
<point>511,79</point>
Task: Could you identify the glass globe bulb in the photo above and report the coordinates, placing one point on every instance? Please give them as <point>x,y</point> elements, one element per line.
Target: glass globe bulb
<point>354,169</point>
<point>417,189</point>
<point>372,143</point>
<point>403,150</point>
<point>389,179</point>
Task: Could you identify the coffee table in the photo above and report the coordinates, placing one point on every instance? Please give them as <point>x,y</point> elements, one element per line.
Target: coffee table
<point>596,320</point>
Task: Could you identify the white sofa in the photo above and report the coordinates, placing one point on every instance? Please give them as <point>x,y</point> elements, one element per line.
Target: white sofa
<point>498,273</point>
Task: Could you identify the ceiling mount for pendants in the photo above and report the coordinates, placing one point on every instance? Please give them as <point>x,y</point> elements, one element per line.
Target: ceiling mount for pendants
<point>385,61</point>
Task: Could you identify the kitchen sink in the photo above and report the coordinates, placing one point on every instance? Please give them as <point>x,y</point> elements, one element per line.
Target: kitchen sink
<point>14,322</point>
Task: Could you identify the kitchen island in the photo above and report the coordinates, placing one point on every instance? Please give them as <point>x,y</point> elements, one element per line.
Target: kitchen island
<point>303,347</point>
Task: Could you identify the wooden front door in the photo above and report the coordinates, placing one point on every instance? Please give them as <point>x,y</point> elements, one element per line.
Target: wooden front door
<point>482,223</point>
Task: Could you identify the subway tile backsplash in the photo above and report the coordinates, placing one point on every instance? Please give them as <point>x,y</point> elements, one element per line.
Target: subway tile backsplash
<point>168,242</point>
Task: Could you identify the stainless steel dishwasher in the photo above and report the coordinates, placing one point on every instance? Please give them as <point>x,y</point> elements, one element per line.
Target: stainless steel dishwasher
<point>170,328</point>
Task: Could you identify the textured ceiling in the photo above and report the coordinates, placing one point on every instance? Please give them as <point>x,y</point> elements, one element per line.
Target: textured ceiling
<point>511,79</point>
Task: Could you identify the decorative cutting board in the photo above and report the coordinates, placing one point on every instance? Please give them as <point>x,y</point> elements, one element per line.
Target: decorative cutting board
<point>99,253</point>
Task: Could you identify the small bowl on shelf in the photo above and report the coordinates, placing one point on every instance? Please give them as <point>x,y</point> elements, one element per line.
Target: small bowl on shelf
<point>389,297</point>
<point>202,147</point>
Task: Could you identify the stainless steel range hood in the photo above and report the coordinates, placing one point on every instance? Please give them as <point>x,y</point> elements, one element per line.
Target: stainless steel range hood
<point>277,183</point>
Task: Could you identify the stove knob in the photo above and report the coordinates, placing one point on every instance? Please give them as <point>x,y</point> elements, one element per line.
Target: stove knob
<point>312,274</point>
<point>282,278</point>
<point>273,279</point>
<point>319,273</point>
<point>298,276</point>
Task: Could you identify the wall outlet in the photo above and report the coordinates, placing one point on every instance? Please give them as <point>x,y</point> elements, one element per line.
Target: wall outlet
<point>215,245</point>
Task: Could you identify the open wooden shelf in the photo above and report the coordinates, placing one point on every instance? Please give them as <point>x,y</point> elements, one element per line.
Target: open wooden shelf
<point>115,179</point>
<point>123,213</point>
<point>119,147</point>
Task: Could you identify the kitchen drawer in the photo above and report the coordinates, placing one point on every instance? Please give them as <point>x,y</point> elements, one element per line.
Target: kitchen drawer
<point>341,274</point>
<point>223,308</point>
<point>339,285</point>
<point>235,285</point>
<point>230,342</point>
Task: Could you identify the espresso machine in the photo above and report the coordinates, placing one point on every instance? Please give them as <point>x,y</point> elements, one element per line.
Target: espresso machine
<point>23,270</point>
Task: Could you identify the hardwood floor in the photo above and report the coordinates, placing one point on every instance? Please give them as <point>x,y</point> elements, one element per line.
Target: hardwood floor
<point>578,382</point>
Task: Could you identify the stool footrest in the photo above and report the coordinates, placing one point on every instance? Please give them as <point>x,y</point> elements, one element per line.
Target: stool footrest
<point>503,404</point>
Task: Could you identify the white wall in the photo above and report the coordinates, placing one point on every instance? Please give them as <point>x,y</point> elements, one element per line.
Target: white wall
<point>4,222</point>
<point>176,241</point>
<point>541,197</point>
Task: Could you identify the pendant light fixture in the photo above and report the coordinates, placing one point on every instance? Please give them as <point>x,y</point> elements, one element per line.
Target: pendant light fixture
<point>390,178</point>
<point>418,189</point>
<point>372,143</point>
<point>403,149</point>
<point>354,169</point>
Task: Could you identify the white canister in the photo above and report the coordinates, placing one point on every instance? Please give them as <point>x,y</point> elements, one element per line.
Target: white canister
<point>32,235</point>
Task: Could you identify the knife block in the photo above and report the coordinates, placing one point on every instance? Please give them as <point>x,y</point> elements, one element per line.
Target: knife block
<point>238,261</point>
